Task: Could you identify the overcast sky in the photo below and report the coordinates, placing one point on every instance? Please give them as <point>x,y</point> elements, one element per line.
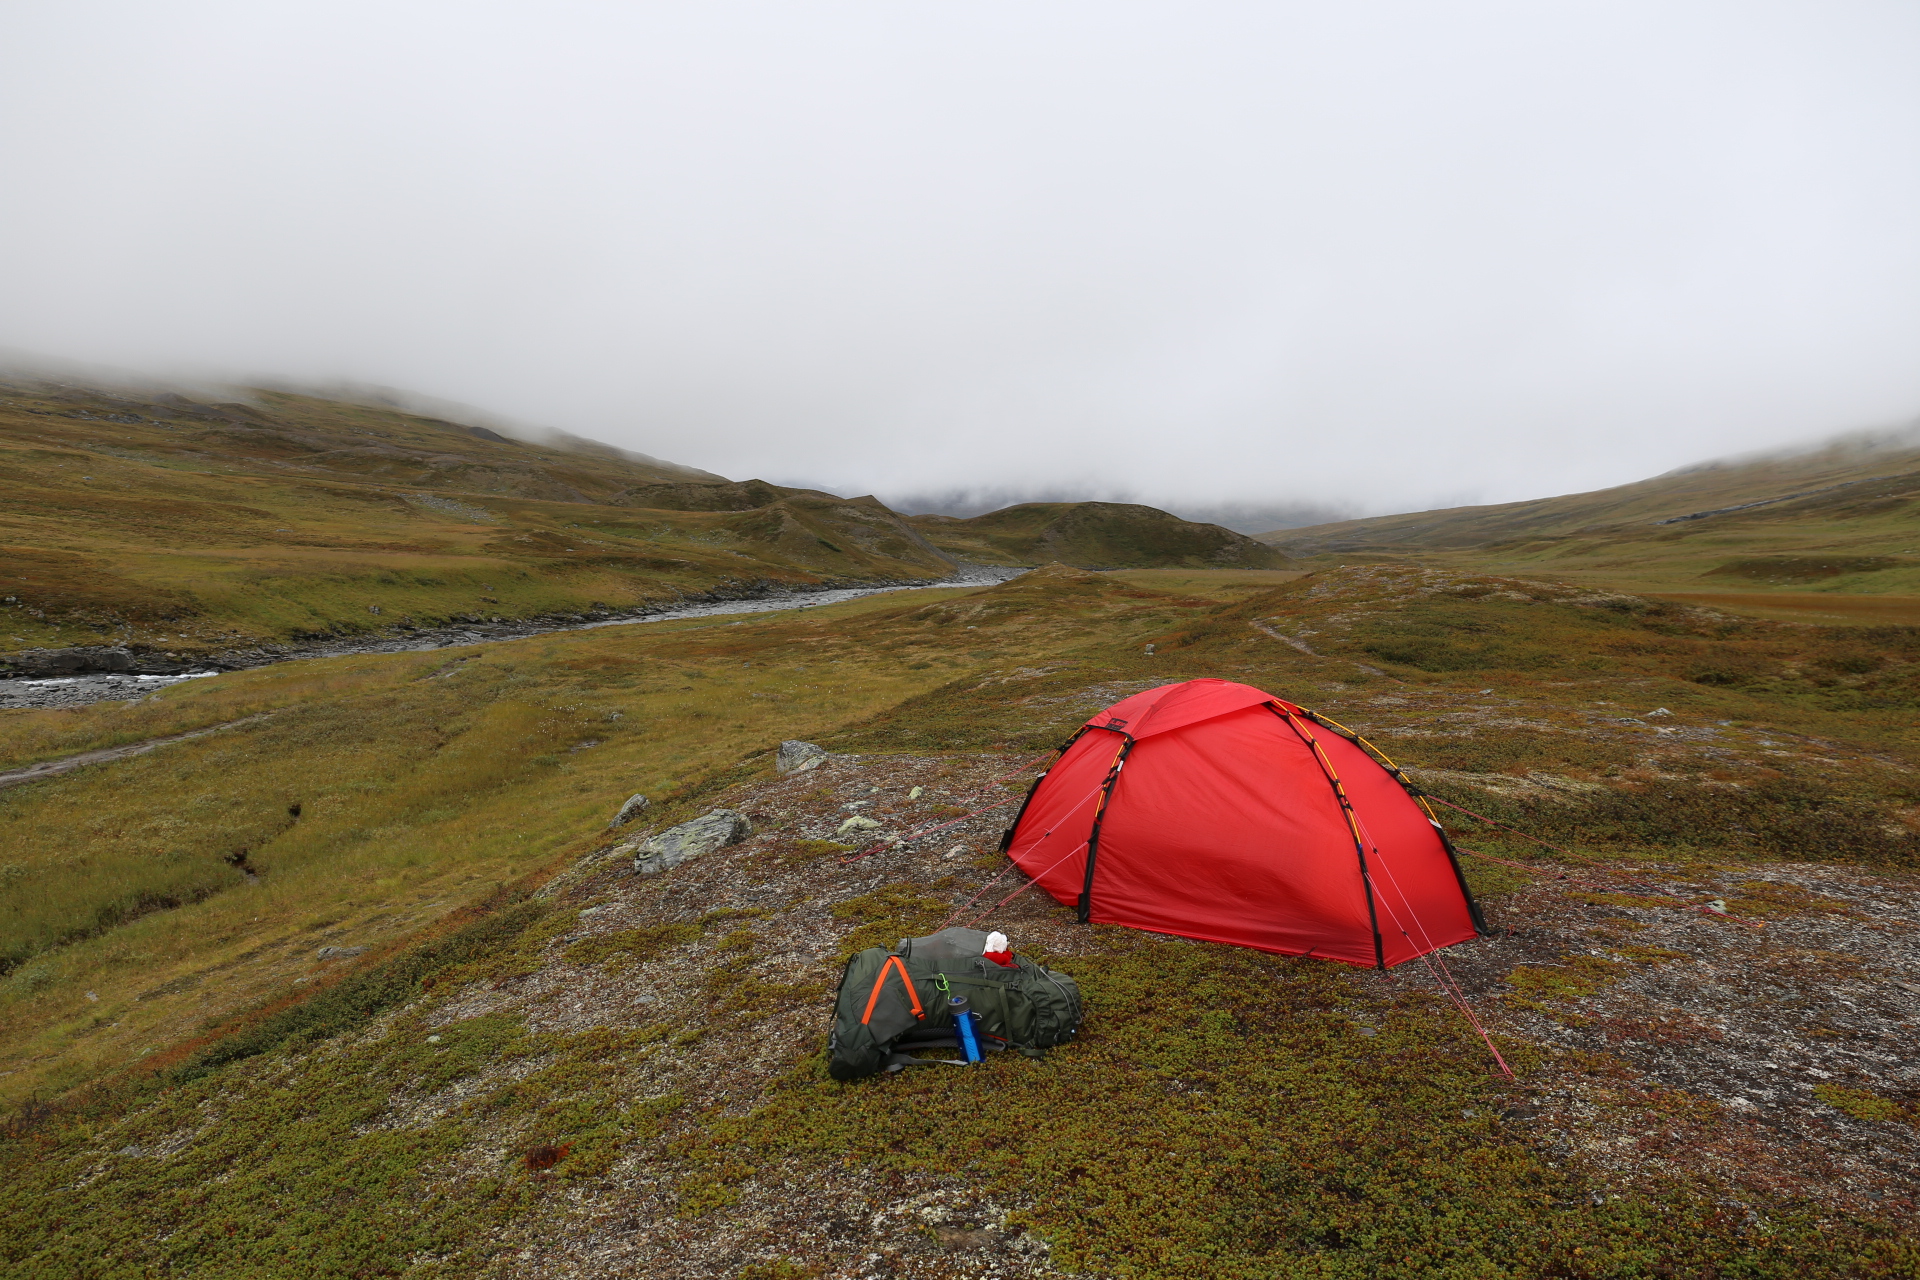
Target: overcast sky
<point>1376,256</point>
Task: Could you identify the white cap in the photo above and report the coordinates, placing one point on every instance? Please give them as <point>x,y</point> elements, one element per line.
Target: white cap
<point>996,942</point>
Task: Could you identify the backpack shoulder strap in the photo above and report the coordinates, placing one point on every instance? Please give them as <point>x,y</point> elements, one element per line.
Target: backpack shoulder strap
<point>892,964</point>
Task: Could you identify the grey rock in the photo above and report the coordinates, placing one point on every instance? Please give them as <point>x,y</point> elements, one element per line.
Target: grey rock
<point>633,808</point>
<point>797,757</point>
<point>689,840</point>
<point>86,660</point>
<point>337,953</point>
<point>858,823</point>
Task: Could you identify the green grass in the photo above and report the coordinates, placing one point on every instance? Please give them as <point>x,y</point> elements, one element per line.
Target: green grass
<point>334,1184</point>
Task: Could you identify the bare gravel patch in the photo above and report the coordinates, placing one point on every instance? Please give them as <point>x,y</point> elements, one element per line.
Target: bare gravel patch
<point>1682,1044</point>
<point>775,895</point>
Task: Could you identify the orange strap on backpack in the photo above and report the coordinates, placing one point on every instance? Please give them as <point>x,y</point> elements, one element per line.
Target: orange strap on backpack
<point>893,962</point>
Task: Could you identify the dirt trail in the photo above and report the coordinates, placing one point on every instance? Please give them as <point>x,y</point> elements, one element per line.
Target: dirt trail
<point>67,764</point>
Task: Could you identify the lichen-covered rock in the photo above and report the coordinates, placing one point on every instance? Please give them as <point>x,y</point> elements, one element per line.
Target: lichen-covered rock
<point>689,840</point>
<point>797,757</point>
<point>633,808</point>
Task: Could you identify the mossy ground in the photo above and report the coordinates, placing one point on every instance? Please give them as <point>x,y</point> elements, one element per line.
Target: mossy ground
<point>1224,1113</point>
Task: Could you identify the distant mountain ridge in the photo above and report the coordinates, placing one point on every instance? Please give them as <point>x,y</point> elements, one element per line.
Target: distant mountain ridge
<point>1720,487</point>
<point>1842,516</point>
<point>1251,518</point>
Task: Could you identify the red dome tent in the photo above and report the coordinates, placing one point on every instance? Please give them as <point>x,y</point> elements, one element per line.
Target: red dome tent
<point>1212,810</point>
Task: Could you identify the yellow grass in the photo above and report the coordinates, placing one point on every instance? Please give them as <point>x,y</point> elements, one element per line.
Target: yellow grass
<point>1213,584</point>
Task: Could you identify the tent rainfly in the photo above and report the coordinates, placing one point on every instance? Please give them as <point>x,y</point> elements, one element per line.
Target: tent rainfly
<point>1212,810</point>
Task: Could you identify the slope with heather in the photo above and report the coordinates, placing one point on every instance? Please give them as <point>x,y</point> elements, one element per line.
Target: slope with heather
<point>356,801</point>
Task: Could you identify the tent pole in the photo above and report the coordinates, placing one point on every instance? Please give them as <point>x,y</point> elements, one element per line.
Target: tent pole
<point>1353,827</point>
<point>1085,906</point>
<point>1412,789</point>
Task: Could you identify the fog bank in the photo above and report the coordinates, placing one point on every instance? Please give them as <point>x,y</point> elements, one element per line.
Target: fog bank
<point>1226,258</point>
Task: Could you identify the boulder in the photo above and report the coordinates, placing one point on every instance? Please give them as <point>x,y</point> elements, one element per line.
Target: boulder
<point>797,757</point>
<point>689,840</point>
<point>338,953</point>
<point>633,808</point>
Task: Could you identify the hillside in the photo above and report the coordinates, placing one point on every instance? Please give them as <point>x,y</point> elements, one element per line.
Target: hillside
<point>168,524</point>
<point>1094,535</point>
<point>1837,518</point>
<point>182,529</point>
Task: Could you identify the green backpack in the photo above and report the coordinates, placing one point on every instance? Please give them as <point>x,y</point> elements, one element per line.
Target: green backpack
<point>894,1002</point>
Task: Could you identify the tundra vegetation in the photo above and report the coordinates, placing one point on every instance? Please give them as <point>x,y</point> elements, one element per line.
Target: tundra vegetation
<point>351,987</point>
<point>1223,1112</point>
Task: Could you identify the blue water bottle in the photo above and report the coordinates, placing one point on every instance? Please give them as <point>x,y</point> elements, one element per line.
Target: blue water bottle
<point>963,1020</point>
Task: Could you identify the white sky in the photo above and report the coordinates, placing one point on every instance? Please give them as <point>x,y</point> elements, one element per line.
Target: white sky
<point>1373,255</point>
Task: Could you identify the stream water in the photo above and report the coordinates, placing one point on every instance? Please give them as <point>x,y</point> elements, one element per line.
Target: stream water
<point>82,689</point>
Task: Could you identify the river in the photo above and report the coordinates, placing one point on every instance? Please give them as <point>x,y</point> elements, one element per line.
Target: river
<point>86,687</point>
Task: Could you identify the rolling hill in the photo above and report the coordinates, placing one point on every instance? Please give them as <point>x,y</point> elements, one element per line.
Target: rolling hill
<point>166,523</point>
<point>159,521</point>
<point>1094,535</point>
<point>1842,517</point>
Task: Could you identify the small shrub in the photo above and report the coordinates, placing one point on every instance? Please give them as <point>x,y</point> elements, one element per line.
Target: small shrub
<point>545,1156</point>
<point>636,944</point>
<point>779,1269</point>
<point>888,914</point>
<point>1862,1105</point>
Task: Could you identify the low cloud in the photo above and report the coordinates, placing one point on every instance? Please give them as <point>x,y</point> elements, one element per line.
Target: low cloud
<point>1251,260</point>
<point>1241,517</point>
